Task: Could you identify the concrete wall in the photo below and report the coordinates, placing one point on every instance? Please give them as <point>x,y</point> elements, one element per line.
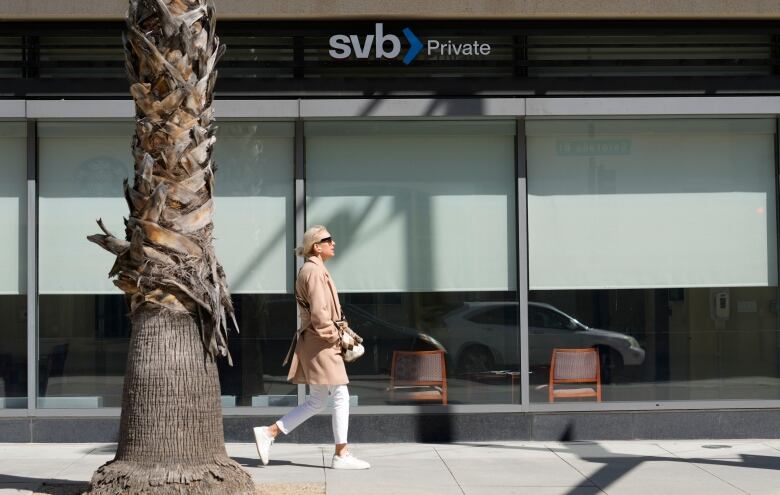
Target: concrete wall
<point>444,428</point>
<point>408,9</point>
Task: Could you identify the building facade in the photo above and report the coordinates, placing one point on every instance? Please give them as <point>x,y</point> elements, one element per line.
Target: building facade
<point>501,181</point>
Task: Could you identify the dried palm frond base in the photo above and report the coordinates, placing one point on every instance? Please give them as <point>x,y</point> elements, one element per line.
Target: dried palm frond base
<point>171,439</point>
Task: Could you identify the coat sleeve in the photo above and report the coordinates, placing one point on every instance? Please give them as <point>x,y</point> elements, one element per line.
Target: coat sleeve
<point>320,302</point>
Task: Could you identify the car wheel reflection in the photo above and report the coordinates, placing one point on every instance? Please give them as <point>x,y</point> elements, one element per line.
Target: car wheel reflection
<point>475,359</point>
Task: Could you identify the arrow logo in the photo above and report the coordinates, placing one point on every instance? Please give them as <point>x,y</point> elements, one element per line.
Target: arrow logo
<point>415,47</point>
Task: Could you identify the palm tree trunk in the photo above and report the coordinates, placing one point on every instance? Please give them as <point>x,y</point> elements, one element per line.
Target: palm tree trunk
<point>171,438</point>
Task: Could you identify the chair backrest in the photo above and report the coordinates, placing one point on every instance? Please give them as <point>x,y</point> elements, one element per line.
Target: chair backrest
<point>418,368</point>
<point>575,366</point>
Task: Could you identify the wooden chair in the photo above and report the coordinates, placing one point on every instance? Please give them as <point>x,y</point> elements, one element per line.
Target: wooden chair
<point>418,376</point>
<point>575,366</point>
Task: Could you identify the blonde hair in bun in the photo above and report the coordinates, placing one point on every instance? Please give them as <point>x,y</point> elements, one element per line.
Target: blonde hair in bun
<point>310,237</point>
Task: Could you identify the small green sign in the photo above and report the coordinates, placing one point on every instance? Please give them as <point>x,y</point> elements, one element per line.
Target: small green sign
<point>593,147</point>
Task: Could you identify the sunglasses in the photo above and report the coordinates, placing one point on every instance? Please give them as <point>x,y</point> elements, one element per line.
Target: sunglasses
<point>329,240</point>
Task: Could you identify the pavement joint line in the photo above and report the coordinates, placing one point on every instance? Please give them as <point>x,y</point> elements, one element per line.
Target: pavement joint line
<point>703,469</point>
<point>600,488</point>
<point>770,446</point>
<point>93,449</point>
<point>460,487</point>
<point>83,456</point>
<point>57,474</point>
<point>324,472</point>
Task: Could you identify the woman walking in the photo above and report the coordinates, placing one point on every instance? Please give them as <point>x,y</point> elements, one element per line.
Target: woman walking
<point>317,359</point>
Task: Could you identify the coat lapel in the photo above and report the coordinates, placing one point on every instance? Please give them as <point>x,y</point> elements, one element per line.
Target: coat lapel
<point>331,286</point>
<point>335,294</point>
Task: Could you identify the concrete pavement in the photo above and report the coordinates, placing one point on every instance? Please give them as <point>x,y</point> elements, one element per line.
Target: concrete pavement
<point>689,467</point>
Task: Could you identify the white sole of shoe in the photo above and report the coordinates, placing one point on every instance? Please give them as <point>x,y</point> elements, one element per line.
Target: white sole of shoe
<point>346,467</point>
<point>259,433</point>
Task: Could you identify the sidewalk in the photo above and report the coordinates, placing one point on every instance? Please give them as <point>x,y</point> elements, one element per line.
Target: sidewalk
<point>688,467</point>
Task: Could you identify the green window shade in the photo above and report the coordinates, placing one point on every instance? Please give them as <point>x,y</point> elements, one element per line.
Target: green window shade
<point>13,208</point>
<point>415,206</point>
<point>81,165</point>
<point>253,219</point>
<point>651,203</point>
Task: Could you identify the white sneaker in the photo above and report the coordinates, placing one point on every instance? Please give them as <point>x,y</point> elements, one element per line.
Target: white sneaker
<point>263,441</point>
<point>349,461</point>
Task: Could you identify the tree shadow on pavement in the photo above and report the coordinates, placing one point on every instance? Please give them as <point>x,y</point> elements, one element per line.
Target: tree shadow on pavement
<point>251,462</point>
<point>615,467</point>
<point>43,486</point>
<point>108,449</point>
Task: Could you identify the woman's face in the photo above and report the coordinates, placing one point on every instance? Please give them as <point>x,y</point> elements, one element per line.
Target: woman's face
<point>326,247</point>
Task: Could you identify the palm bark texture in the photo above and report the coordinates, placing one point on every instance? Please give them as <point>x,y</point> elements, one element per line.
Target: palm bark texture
<point>167,258</point>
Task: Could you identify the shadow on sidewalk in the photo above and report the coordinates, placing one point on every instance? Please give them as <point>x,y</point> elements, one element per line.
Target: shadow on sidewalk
<point>43,486</point>
<point>615,467</point>
<point>250,462</point>
<point>108,449</point>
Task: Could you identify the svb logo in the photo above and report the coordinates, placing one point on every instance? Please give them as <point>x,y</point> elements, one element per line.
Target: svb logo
<point>389,46</point>
<point>342,45</point>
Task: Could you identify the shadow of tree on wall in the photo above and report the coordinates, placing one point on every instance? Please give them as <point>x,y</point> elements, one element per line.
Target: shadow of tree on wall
<point>433,428</point>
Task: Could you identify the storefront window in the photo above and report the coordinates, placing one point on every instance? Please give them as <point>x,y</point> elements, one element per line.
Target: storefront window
<point>423,214</point>
<point>654,242</point>
<point>253,237</point>
<point>13,265</point>
<point>84,329</point>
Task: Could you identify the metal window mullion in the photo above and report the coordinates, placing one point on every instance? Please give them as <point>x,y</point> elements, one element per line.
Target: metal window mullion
<point>32,264</point>
<point>777,227</point>
<point>521,173</point>
<point>300,215</point>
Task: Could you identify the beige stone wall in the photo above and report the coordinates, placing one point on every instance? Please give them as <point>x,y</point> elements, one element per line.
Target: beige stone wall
<point>409,9</point>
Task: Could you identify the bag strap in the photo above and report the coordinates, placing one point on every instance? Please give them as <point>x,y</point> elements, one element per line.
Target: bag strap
<point>333,297</point>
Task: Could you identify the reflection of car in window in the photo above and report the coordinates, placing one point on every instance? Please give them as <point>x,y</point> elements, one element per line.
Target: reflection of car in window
<point>541,317</point>
<point>482,336</point>
<point>275,320</point>
<point>381,338</point>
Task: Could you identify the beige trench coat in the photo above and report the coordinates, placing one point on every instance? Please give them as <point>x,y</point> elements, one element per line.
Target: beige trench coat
<point>317,360</point>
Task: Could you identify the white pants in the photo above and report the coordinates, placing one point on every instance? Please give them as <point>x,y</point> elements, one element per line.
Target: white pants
<point>316,403</point>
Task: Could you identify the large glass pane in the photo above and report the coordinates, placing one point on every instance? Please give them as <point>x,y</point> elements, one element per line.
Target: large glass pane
<point>424,218</point>
<point>654,242</point>
<point>82,354</point>
<point>84,329</point>
<point>254,241</point>
<point>13,265</point>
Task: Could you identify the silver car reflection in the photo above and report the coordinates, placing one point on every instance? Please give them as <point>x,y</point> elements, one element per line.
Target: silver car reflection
<point>482,336</point>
